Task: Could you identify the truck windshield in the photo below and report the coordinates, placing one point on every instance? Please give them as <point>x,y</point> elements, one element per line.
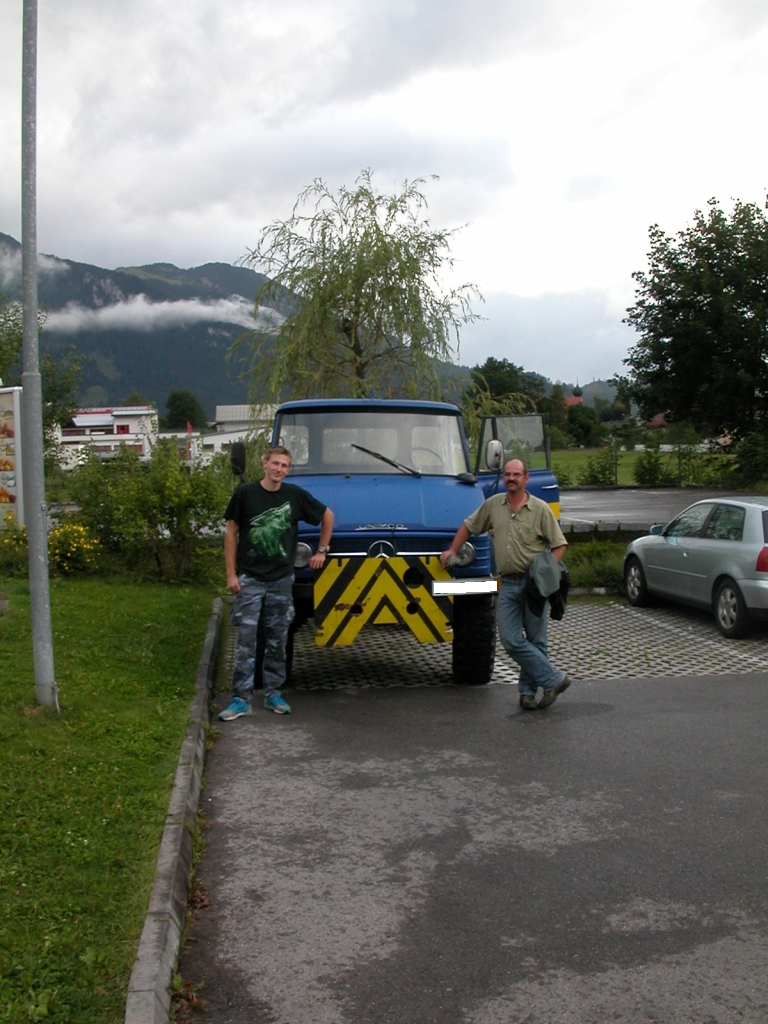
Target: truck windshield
<point>325,440</point>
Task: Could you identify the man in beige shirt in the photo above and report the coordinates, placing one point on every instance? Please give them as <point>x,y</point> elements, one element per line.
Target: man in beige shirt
<point>523,526</point>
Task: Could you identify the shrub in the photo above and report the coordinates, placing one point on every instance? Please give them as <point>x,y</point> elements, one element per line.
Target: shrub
<point>601,469</point>
<point>564,476</point>
<point>156,516</point>
<point>752,457</point>
<point>73,550</point>
<point>596,563</point>
<point>651,469</point>
<point>13,547</point>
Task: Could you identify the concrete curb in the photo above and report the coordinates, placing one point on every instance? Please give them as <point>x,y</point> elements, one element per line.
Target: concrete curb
<point>149,999</point>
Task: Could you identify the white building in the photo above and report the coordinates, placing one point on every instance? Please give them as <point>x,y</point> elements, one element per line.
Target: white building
<point>135,426</point>
<point>107,430</point>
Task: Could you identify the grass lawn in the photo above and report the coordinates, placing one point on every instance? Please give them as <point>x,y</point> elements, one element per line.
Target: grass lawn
<point>574,460</point>
<point>83,795</point>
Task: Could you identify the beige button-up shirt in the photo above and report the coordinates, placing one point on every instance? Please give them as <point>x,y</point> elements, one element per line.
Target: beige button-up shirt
<point>517,536</point>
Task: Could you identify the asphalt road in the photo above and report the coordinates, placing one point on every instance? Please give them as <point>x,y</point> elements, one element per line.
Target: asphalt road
<point>629,506</point>
<point>436,856</point>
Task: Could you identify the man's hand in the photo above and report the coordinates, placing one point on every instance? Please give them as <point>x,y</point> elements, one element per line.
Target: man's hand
<point>448,557</point>
<point>317,561</point>
<point>233,584</point>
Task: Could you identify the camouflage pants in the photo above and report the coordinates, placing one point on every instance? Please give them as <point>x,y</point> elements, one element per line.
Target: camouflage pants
<point>274,600</point>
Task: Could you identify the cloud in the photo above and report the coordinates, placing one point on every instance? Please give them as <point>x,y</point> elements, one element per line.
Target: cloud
<point>583,187</point>
<point>10,267</point>
<point>138,313</point>
<point>563,335</point>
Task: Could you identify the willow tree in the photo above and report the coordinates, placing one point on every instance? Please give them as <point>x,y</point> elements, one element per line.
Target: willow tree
<point>355,302</point>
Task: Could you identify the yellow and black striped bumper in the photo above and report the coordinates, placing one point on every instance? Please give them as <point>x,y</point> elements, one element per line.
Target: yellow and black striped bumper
<point>350,592</point>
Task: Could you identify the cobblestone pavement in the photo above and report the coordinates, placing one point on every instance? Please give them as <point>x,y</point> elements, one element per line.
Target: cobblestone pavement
<point>600,640</point>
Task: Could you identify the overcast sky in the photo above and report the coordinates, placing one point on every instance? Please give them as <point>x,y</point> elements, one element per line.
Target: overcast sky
<point>560,129</point>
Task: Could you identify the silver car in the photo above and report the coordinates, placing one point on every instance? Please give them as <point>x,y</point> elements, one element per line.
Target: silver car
<point>714,555</point>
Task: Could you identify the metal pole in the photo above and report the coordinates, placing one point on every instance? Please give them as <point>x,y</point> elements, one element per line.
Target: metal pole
<point>32,396</point>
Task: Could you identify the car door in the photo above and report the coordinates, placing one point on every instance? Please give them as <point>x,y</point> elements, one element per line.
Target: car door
<point>669,564</point>
<point>713,553</point>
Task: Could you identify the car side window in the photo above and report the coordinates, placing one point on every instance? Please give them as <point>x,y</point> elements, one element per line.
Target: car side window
<point>727,523</point>
<point>689,523</point>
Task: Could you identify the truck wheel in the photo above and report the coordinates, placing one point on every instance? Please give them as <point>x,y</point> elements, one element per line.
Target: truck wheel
<point>474,639</point>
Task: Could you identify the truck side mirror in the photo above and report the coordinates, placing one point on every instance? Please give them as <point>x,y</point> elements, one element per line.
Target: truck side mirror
<point>494,455</point>
<point>237,458</point>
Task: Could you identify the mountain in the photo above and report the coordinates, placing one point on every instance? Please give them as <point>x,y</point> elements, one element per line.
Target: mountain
<point>156,328</point>
<point>148,329</point>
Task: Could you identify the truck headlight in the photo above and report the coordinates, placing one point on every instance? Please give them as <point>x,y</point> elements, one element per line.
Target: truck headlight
<point>465,555</point>
<point>303,555</point>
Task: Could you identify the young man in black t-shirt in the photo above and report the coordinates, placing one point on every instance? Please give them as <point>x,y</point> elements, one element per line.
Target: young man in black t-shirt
<point>259,552</point>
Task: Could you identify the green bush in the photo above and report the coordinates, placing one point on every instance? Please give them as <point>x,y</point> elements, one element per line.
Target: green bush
<point>600,470</point>
<point>652,468</point>
<point>159,516</point>
<point>73,550</point>
<point>13,547</point>
<point>752,458</point>
<point>596,563</point>
<point>564,476</point>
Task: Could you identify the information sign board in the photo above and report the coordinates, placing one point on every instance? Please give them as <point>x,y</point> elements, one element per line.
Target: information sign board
<point>11,493</point>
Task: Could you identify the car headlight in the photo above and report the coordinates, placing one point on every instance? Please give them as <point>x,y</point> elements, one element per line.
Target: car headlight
<point>303,555</point>
<point>465,555</point>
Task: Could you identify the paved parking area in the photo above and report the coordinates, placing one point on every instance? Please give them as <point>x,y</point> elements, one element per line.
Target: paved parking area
<point>604,639</point>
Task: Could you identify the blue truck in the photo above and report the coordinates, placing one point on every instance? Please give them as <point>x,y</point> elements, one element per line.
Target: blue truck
<point>398,476</point>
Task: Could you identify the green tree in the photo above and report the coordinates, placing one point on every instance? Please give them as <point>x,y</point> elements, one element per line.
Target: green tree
<point>356,276</point>
<point>135,398</point>
<point>60,375</point>
<point>583,425</point>
<point>500,377</point>
<point>702,315</point>
<point>555,409</point>
<point>182,407</point>
<point>11,338</point>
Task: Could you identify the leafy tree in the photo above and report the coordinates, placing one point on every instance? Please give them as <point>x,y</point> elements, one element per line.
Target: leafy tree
<point>183,408</point>
<point>702,314</point>
<point>357,282</point>
<point>500,377</point>
<point>11,338</point>
<point>555,409</point>
<point>135,398</point>
<point>60,376</point>
<point>583,425</point>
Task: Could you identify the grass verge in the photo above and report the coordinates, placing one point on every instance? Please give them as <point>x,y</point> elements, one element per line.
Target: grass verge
<point>83,795</point>
<point>573,461</point>
<point>595,563</point>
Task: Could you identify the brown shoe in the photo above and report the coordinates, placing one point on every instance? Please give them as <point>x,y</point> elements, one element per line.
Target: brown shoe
<point>550,696</point>
<point>528,702</point>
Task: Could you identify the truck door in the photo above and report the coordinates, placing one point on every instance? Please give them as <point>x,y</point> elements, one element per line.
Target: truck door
<point>523,437</point>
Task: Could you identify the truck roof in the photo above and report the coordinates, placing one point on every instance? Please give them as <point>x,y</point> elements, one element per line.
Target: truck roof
<point>369,403</point>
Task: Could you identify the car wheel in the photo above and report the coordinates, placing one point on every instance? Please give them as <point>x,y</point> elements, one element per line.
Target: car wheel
<point>635,586</point>
<point>731,612</point>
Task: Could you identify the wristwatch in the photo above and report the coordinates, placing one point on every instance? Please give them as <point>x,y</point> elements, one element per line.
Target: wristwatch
<point>322,550</point>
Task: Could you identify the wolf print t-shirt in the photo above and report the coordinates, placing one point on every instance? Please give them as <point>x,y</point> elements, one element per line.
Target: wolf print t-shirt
<point>267,532</point>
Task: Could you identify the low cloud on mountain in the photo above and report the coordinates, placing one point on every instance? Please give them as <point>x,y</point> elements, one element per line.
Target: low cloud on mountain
<point>138,313</point>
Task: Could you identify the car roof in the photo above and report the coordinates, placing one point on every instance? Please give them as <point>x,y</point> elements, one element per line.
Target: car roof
<point>758,501</point>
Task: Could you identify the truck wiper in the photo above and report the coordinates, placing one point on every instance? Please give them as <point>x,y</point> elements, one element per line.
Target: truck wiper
<point>384,458</point>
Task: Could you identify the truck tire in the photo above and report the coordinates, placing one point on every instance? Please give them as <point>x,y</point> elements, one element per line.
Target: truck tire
<point>474,639</point>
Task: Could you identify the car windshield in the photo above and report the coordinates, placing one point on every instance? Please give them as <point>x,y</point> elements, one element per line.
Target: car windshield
<point>332,441</point>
